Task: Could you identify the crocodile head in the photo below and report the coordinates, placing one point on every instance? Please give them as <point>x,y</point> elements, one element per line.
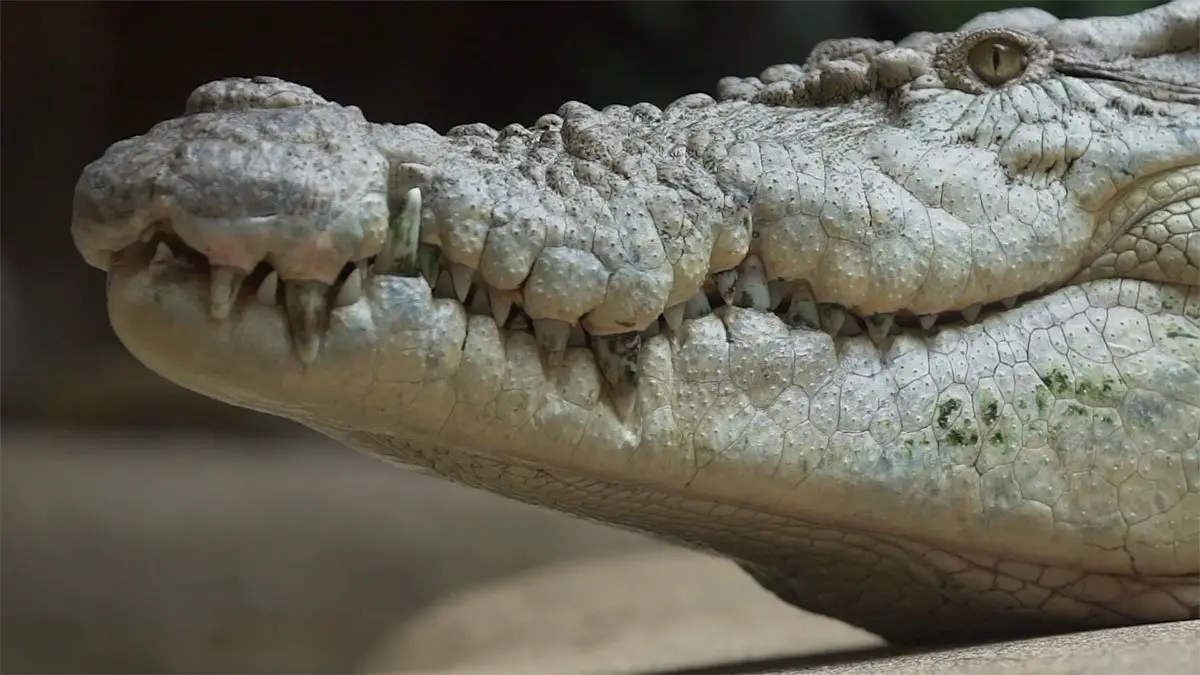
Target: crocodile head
<point>911,331</point>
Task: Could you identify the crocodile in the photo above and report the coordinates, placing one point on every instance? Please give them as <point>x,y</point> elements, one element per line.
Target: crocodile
<point>910,330</point>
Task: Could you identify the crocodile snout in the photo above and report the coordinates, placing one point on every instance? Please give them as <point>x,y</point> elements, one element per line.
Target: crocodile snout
<point>301,188</point>
<point>262,185</point>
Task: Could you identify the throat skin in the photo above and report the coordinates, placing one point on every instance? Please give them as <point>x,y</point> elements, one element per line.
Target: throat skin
<point>910,331</point>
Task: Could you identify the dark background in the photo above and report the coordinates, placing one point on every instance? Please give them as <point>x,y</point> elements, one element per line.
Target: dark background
<point>80,416</point>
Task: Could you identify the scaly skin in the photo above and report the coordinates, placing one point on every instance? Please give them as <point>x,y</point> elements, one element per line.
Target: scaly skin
<point>954,387</point>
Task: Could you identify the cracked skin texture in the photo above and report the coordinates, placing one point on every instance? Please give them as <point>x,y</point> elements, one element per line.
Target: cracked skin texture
<point>1025,460</point>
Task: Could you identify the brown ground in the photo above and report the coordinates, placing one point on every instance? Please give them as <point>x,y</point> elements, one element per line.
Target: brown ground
<point>126,553</point>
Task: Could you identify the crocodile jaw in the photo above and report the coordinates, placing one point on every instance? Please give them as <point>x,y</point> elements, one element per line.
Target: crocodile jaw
<point>770,444</point>
<point>1039,464</point>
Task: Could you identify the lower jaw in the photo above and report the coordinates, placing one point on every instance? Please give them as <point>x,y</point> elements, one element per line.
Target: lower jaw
<point>416,372</point>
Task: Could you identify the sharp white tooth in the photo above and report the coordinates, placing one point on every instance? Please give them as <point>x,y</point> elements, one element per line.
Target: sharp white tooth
<point>617,356</point>
<point>697,307</point>
<point>972,313</point>
<point>552,338</point>
<point>224,284</point>
<point>461,276</point>
<point>399,253</point>
<point>306,303</point>
<point>927,321</point>
<point>479,303</point>
<point>833,318</point>
<point>351,290</point>
<point>725,282</point>
<point>779,292</point>
<point>444,288</point>
<point>751,290</point>
<point>624,402</point>
<point>162,255</point>
<point>501,307</point>
<point>577,338</point>
<point>802,311</point>
<point>268,290</point>
<point>674,316</point>
<point>1010,302</point>
<point>429,263</point>
<point>879,328</point>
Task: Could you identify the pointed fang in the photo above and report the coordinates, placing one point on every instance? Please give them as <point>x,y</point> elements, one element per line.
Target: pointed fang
<point>162,255</point>
<point>752,290</point>
<point>552,338</point>
<point>268,290</point>
<point>399,253</point>
<point>223,289</point>
<point>501,308</point>
<point>833,318</point>
<point>444,288</point>
<point>697,307</point>
<point>674,316</point>
<point>306,308</point>
<point>351,290</point>
<point>725,282</point>
<point>618,358</point>
<point>879,327</point>
<point>972,313</point>
<point>461,276</point>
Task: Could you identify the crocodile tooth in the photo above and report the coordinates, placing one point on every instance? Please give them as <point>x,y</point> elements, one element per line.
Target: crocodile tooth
<point>444,288</point>
<point>480,304</point>
<point>879,327</point>
<point>617,357</point>
<point>972,313</point>
<point>223,289</point>
<point>833,318</point>
<point>697,307</point>
<point>519,322</point>
<point>461,276</point>
<point>552,338</point>
<point>501,307</point>
<point>429,263</point>
<point>624,401</point>
<point>674,316</point>
<point>725,282</point>
<point>306,303</point>
<point>268,289</point>
<point>577,338</point>
<point>351,290</point>
<point>779,292</point>
<point>927,320</point>
<point>399,253</point>
<point>751,290</point>
<point>802,310</point>
<point>1009,302</point>
<point>162,255</point>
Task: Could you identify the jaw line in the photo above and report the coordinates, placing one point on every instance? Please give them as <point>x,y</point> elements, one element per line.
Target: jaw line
<point>249,360</point>
<point>388,380</point>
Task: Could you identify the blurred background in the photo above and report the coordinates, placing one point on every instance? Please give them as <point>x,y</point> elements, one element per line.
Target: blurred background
<point>147,529</point>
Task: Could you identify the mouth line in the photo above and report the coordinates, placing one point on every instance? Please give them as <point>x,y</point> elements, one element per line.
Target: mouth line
<point>167,257</point>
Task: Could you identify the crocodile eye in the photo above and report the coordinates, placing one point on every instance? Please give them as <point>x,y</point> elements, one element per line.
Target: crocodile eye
<point>997,60</point>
